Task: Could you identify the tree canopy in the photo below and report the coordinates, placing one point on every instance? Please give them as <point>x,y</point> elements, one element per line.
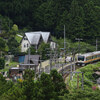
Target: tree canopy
<point>81,18</point>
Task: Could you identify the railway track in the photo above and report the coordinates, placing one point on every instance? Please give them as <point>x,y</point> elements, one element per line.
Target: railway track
<point>67,69</point>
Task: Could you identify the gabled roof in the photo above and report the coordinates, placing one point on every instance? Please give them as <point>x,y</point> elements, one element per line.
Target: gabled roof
<point>34,37</point>
<point>45,36</point>
<point>33,58</point>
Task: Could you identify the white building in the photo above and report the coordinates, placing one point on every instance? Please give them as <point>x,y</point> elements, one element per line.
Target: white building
<point>34,39</point>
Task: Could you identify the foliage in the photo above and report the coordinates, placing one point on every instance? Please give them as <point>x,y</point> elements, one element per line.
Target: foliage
<point>2,63</point>
<point>89,79</point>
<point>14,30</point>
<point>81,18</point>
<point>58,82</point>
<point>13,45</point>
<point>15,93</point>
<point>28,75</point>
<point>78,47</point>
<point>33,50</point>
<point>18,38</point>
<point>82,95</point>
<point>2,44</point>
<point>46,87</point>
<point>4,85</point>
<point>42,50</point>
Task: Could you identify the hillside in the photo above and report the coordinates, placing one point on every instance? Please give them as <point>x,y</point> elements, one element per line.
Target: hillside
<point>81,18</point>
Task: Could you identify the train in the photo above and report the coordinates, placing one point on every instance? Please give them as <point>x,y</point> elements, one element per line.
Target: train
<point>83,59</point>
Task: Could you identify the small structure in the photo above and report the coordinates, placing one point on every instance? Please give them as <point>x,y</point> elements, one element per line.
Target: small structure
<point>31,61</point>
<point>16,72</point>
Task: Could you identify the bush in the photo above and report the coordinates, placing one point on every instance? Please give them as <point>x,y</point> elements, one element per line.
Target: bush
<point>2,63</point>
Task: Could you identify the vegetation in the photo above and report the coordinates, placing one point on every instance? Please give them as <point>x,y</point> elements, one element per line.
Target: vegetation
<point>91,90</point>
<point>42,50</point>
<point>29,89</point>
<point>81,18</point>
<point>50,87</point>
<point>2,63</point>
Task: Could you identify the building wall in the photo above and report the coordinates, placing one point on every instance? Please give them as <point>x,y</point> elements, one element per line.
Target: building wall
<point>52,45</point>
<point>24,45</point>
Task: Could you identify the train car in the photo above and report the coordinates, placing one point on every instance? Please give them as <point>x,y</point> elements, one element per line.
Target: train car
<point>87,58</point>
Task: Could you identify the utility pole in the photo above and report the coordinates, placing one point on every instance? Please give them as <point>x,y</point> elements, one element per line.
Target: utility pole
<point>78,81</point>
<point>82,81</point>
<point>0,26</point>
<point>40,66</point>
<point>74,60</point>
<point>96,44</point>
<point>62,70</point>
<point>71,69</point>
<point>29,57</point>
<point>65,43</point>
<point>50,60</point>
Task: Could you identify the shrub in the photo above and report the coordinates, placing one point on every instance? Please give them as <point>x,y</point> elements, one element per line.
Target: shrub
<point>2,63</point>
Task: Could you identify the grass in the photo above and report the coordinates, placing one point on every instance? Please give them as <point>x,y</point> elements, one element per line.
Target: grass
<point>18,38</point>
<point>11,64</point>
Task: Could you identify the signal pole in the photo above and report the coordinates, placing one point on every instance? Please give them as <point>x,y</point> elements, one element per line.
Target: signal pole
<point>96,44</point>
<point>65,43</point>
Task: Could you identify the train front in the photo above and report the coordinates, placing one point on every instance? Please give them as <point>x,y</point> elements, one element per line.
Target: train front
<point>80,60</point>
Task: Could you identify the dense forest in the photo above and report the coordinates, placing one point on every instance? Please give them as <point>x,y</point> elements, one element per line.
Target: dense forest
<point>81,17</point>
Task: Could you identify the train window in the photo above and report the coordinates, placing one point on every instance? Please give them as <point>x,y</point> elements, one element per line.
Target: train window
<point>89,58</point>
<point>80,58</point>
<point>98,55</point>
<point>95,56</point>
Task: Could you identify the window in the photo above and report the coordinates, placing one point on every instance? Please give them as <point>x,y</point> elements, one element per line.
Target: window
<point>89,58</point>
<point>25,38</point>
<point>27,45</point>
<point>80,58</point>
<point>95,56</point>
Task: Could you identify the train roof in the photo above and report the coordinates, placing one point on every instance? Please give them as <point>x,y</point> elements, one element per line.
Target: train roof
<point>90,53</point>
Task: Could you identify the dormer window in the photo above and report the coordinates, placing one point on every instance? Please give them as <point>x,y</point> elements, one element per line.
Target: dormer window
<point>25,38</point>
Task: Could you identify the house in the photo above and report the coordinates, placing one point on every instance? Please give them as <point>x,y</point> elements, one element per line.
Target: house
<point>34,39</point>
<point>31,61</point>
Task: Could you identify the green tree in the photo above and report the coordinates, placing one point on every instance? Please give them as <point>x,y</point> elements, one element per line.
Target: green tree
<point>58,82</point>
<point>13,45</point>
<point>46,88</point>
<point>2,63</point>
<point>28,84</point>
<point>2,44</point>
<point>28,75</point>
<point>42,50</point>
<point>4,85</point>
<point>92,22</point>
<point>14,30</point>
<point>76,21</point>
<point>14,93</point>
<point>33,50</point>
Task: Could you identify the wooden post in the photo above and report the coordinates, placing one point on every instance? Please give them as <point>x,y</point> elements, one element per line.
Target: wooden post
<point>78,81</point>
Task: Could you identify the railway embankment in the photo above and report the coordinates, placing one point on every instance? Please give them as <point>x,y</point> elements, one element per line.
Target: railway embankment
<point>90,78</point>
